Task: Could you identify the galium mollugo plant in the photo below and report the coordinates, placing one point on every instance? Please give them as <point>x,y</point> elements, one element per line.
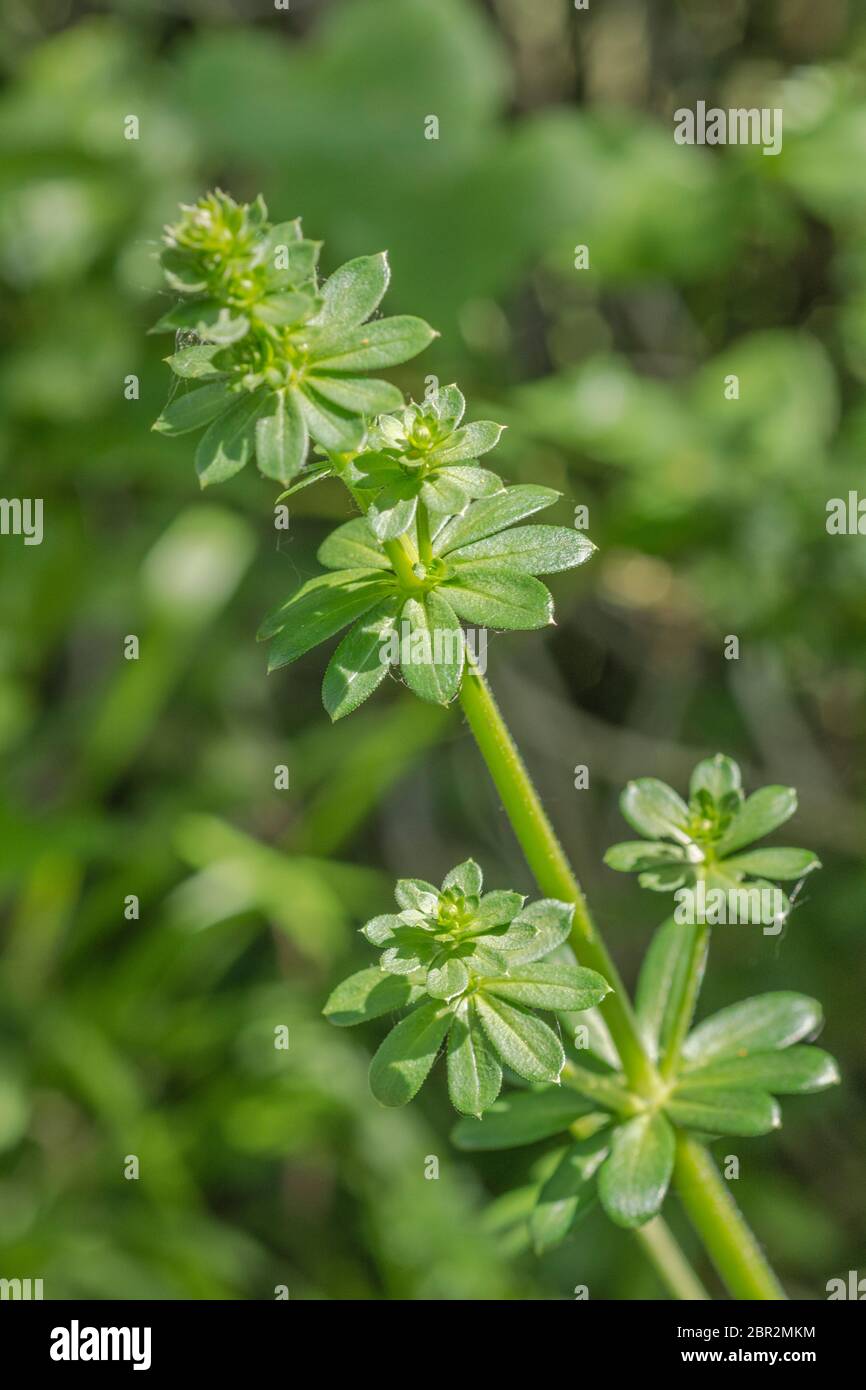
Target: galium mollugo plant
<point>469,966</point>
<point>273,364</point>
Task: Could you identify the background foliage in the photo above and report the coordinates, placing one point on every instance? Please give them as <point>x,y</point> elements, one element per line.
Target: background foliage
<point>155,778</point>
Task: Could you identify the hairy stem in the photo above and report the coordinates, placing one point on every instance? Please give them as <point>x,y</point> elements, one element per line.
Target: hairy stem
<point>552,871</point>
<point>711,1210</point>
<point>716,1217</point>
<point>673,1267</point>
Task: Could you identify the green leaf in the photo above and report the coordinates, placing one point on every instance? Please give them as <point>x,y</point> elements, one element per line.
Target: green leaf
<point>631,856</point>
<point>352,546</point>
<point>523,1042</point>
<point>551,921</point>
<point>475,482</point>
<point>447,980</point>
<point>383,343</point>
<point>634,1179</point>
<point>228,442</point>
<point>467,443</point>
<point>358,395</point>
<point>195,362</point>
<point>369,994</point>
<point>356,669</point>
<point>662,982</point>
<point>314,473</point>
<point>353,292</point>
<point>432,657</point>
<point>655,810</point>
<point>568,1194</point>
<point>717,775</point>
<point>443,493</point>
<point>495,598</point>
<point>719,1111</point>
<point>760,813</point>
<point>765,1021</point>
<point>775,863</point>
<point>417,895</point>
<point>281,439</point>
<point>467,878</point>
<point>193,409</point>
<point>318,610</point>
<point>403,1062</point>
<point>550,986</point>
<point>491,515</point>
<point>381,929</point>
<point>497,909</point>
<point>794,1071</point>
<point>528,550</point>
<point>474,1073</point>
<point>335,429</point>
<point>522,1117</point>
<point>284,308</point>
<point>392,511</point>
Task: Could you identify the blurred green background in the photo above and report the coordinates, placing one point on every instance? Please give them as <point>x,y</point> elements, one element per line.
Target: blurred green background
<point>154,1036</point>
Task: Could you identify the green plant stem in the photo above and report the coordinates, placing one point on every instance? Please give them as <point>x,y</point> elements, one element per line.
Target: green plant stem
<point>712,1211</point>
<point>546,858</point>
<point>595,1086</point>
<point>673,1267</point>
<point>698,947</point>
<point>716,1217</point>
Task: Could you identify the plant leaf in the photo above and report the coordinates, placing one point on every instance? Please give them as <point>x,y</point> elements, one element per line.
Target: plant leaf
<point>335,429</point>
<point>356,668</point>
<point>193,409</point>
<point>281,439</point>
<point>528,550</point>
<point>760,813</point>
<point>352,546</point>
<point>474,1073</point>
<point>655,810</point>
<point>523,1042</point>
<point>775,863</point>
<point>491,515</point>
<point>358,395</point>
<point>392,511</point>
<point>417,895</point>
<point>522,1117</point>
<point>448,980</point>
<point>195,362</point>
<point>720,1111</point>
<point>353,292</point>
<point>467,878</point>
<point>758,1024</point>
<point>495,598</point>
<point>634,1179</point>
<point>636,856</point>
<point>369,994</point>
<point>498,908</point>
<point>383,343</point>
<point>473,439</point>
<point>717,775</point>
<point>550,986</point>
<point>228,442</point>
<point>568,1194</point>
<point>402,1063</point>
<point>551,921</point>
<point>432,659</point>
<point>796,1070</point>
<point>662,982</point>
<point>318,610</point>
